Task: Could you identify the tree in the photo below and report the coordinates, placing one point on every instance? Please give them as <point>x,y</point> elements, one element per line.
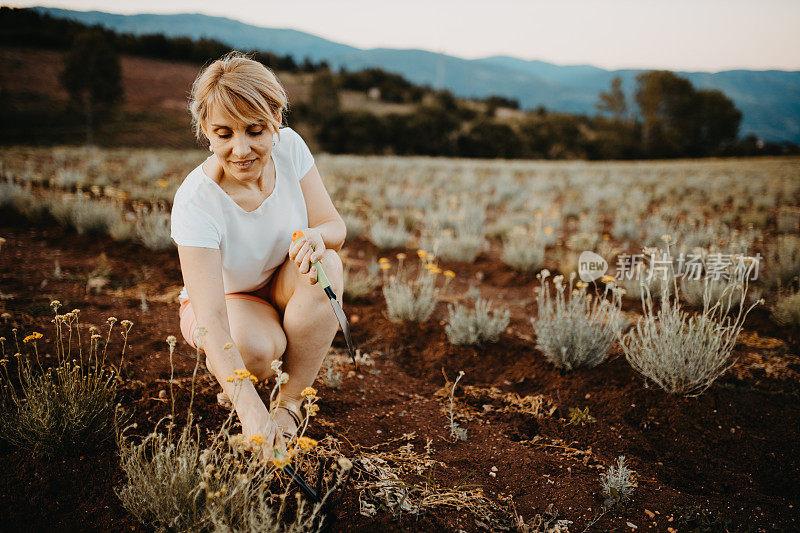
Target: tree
<point>92,75</point>
<point>324,98</point>
<point>679,121</point>
<point>717,121</point>
<point>614,101</point>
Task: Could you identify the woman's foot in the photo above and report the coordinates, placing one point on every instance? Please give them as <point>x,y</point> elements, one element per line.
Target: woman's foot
<point>286,414</point>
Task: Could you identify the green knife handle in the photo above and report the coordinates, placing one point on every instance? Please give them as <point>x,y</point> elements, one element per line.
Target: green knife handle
<point>322,279</point>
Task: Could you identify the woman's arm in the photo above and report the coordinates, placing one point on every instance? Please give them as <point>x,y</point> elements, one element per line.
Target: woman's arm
<point>202,274</point>
<point>322,215</point>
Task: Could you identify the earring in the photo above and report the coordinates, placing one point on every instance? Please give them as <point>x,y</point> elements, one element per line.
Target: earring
<point>210,149</point>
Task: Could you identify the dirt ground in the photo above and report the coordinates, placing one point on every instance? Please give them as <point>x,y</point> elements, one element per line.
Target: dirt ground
<point>732,451</point>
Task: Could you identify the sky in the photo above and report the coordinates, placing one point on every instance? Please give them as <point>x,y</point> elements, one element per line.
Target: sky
<point>686,35</point>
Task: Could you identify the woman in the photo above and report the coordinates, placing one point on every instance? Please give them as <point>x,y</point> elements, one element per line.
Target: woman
<point>246,283</point>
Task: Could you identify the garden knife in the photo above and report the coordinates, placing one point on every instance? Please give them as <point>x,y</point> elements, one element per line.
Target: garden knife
<point>322,279</point>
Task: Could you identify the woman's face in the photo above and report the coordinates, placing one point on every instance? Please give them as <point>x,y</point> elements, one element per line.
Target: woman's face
<point>243,150</point>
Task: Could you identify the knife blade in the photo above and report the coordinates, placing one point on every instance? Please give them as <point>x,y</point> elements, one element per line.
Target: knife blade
<point>323,282</point>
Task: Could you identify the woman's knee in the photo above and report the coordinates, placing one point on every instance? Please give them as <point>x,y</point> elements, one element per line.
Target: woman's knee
<point>259,348</point>
<point>334,270</point>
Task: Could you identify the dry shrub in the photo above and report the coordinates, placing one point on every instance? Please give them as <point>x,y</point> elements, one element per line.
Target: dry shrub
<point>685,354</point>
<point>578,331</point>
<point>475,326</point>
<point>69,408</point>
<point>411,299</point>
<point>175,482</point>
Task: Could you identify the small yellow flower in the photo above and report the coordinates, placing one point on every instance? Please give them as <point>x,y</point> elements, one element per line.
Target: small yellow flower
<point>581,284</point>
<point>110,320</point>
<point>171,340</point>
<point>385,266</point>
<point>230,378</point>
<point>32,337</point>
<point>282,460</point>
<point>383,260</point>
<point>306,443</point>
<point>96,336</point>
<point>76,311</point>
<point>449,273</point>
<point>429,266</point>
<point>312,409</point>
<point>126,323</point>
<point>606,236</point>
<point>55,303</point>
<point>257,439</point>
<point>606,279</point>
<point>422,254</point>
<point>435,270</point>
<point>401,256</point>
<point>309,391</point>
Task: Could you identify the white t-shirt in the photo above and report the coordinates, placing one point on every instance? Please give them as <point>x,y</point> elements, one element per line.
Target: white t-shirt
<point>252,244</point>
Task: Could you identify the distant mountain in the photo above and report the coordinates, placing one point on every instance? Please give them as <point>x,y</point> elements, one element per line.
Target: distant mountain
<point>769,100</point>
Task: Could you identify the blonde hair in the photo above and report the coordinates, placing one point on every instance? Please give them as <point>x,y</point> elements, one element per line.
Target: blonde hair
<point>243,88</point>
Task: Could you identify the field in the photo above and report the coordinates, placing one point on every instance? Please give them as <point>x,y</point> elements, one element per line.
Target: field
<point>90,228</point>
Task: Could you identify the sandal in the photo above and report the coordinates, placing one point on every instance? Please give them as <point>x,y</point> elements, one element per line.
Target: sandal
<point>294,412</point>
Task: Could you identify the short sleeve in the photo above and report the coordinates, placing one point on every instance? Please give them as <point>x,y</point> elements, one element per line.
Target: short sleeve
<point>192,226</point>
<point>301,155</point>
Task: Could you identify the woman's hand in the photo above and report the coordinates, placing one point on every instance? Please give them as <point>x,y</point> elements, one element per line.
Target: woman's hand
<point>264,436</point>
<point>307,251</point>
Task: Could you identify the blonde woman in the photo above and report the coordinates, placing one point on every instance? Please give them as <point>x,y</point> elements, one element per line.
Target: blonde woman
<point>246,283</point>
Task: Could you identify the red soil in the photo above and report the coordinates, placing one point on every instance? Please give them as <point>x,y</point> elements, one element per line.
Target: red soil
<point>732,450</point>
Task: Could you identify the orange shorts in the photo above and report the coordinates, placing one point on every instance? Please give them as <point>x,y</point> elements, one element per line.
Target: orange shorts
<point>189,321</point>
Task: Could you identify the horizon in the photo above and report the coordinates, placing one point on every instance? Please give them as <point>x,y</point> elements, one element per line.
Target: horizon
<point>773,51</point>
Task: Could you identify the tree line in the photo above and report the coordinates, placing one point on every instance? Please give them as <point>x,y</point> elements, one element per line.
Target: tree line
<point>672,118</point>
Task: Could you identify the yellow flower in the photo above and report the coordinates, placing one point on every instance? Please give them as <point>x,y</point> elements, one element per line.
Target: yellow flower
<point>281,461</point>
<point>385,266</point>
<point>306,443</point>
<point>401,256</point>
<point>383,260</point>
<point>309,391</point>
<point>606,279</point>
<point>581,284</point>
<point>435,270</point>
<point>171,340</point>
<point>111,320</point>
<point>32,337</point>
<point>422,254</point>
<point>257,439</point>
<point>230,378</point>
<point>449,273</point>
<point>429,266</point>
<point>312,409</point>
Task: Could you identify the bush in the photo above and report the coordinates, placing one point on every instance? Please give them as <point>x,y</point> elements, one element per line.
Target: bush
<point>67,409</point>
<point>174,483</point>
<point>684,354</point>
<point>152,229</point>
<point>465,326</point>
<point>410,299</point>
<point>522,252</point>
<point>360,283</point>
<point>617,483</point>
<point>576,332</point>
<point>786,311</point>
<point>781,264</point>
<point>386,236</point>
